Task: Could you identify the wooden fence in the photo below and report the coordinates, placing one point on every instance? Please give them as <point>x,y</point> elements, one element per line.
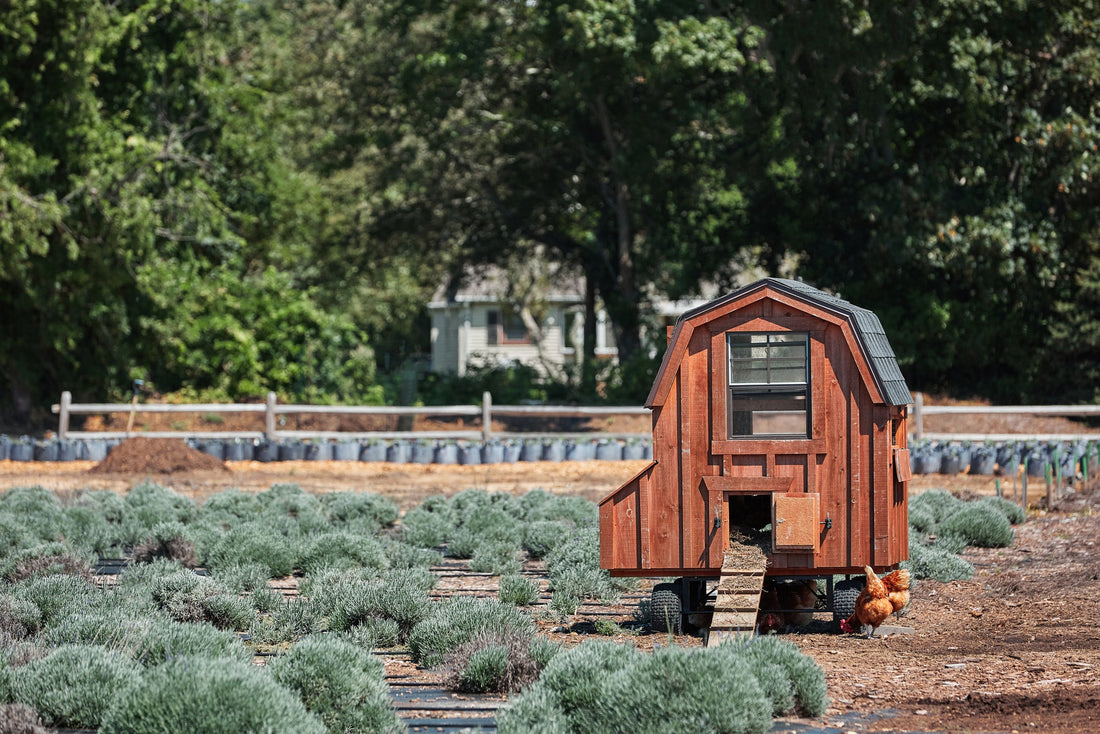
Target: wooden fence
<point>486,412</point>
<point>920,410</point>
<point>271,409</point>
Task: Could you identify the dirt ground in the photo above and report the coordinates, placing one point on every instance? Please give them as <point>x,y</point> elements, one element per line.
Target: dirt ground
<point>1013,649</point>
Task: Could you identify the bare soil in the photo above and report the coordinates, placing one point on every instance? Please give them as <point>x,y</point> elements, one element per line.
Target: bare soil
<point>1013,649</point>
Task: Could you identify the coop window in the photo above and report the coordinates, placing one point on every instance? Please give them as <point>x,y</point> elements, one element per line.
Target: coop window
<point>768,384</point>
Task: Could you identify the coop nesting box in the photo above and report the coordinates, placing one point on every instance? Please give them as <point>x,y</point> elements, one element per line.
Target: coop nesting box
<point>779,412</point>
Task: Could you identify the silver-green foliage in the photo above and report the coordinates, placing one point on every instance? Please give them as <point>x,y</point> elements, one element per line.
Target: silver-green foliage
<point>255,543</point>
<point>400,595</point>
<point>601,686</point>
<point>208,696</point>
<point>341,683</point>
<point>518,590</point>
<point>423,528</point>
<point>341,549</point>
<point>496,557</point>
<point>364,512</point>
<point>980,525</point>
<point>456,620</point>
<point>73,685</point>
<point>931,562</point>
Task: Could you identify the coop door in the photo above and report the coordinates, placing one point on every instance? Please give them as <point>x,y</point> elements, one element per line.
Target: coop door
<point>795,523</point>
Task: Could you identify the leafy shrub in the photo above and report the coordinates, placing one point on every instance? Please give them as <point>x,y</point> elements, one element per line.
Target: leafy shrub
<point>241,577</point>
<point>685,689</point>
<point>575,574</point>
<point>497,662</point>
<point>496,557</point>
<point>423,528</point>
<point>542,536</point>
<point>57,596</point>
<point>980,524</point>
<point>574,511</point>
<point>19,718</point>
<point>922,520</point>
<point>536,711</point>
<point>187,597</point>
<point>291,502</point>
<point>86,528</point>
<point>463,544</point>
<point>38,510</point>
<point>792,681</point>
<point>361,511</point>
<point>67,686</point>
<point>458,619</point>
<point>934,563</point>
<point>481,671</point>
<point>341,683</point>
<point>149,504</point>
<point>44,560</point>
<point>375,633</point>
<point>266,600</point>
<point>256,543</point>
<point>517,590</point>
<point>397,595</point>
<point>18,618</point>
<point>1012,511</point>
<point>406,555</point>
<point>575,677</point>
<point>286,623</point>
<point>231,507</point>
<point>939,503</point>
<point>111,506</point>
<point>167,540</point>
<point>207,696</point>
<point>341,549</point>
<point>14,533</point>
<point>116,629</point>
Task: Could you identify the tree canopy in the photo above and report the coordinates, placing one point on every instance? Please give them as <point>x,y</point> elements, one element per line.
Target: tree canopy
<point>234,197</point>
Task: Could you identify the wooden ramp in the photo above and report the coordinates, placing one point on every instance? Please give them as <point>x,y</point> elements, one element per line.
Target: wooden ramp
<point>738,597</point>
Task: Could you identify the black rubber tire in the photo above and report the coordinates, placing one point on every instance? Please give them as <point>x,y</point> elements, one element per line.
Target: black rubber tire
<point>666,609</point>
<point>844,598</point>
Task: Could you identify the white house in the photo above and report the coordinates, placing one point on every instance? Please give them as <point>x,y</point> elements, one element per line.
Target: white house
<point>491,316</point>
<point>478,319</point>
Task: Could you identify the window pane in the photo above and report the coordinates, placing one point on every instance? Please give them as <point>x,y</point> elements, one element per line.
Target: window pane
<point>769,384</point>
<point>768,415</point>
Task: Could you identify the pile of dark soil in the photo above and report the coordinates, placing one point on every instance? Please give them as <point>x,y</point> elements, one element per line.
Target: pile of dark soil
<point>156,456</point>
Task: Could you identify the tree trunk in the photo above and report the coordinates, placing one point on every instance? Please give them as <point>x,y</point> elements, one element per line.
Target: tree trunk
<point>588,347</point>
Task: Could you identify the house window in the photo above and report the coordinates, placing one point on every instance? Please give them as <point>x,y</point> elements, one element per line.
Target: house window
<point>506,327</point>
<point>768,384</point>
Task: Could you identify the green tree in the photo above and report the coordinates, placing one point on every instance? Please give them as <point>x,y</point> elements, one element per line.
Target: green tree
<point>946,174</point>
<point>604,131</point>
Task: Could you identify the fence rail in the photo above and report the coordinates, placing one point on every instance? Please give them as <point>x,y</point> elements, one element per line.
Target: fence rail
<point>271,409</point>
<point>920,410</point>
<point>486,412</point>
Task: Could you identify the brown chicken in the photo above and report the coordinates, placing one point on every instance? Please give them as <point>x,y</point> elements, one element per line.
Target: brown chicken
<point>879,599</point>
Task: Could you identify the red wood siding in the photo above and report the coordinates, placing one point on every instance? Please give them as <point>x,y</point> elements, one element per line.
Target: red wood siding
<point>661,522</point>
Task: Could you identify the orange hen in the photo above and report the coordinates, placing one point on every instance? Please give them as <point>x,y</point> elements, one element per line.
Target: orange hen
<point>879,599</point>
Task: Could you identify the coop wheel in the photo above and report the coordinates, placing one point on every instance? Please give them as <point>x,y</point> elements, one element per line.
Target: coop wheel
<point>665,609</point>
<point>844,598</point>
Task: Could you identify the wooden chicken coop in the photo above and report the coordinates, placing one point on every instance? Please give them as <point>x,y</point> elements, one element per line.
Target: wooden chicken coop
<point>779,422</point>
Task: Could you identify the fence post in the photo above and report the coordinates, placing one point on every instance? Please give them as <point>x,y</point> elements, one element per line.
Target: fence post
<point>918,416</point>
<point>63,418</point>
<point>269,417</point>
<point>486,415</point>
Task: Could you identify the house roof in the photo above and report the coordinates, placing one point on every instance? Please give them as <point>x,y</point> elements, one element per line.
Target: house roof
<point>866,327</point>
<point>490,284</point>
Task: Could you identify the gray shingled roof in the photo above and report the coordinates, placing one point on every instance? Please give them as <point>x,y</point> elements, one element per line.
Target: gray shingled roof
<point>868,330</point>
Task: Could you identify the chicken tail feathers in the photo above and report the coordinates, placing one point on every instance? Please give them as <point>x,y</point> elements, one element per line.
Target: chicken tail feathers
<point>897,580</point>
